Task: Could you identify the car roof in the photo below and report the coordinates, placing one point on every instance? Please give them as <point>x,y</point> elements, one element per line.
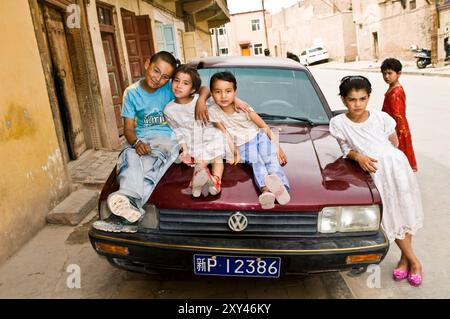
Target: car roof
<point>246,61</point>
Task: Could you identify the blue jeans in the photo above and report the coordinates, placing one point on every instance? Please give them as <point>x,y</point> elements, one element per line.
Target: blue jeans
<point>261,154</point>
<point>139,175</point>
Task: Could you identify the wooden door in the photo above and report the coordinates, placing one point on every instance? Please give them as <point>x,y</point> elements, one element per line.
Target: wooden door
<point>245,51</point>
<point>132,44</point>
<point>114,76</point>
<point>169,37</point>
<point>145,36</point>
<point>190,49</point>
<point>160,41</point>
<point>64,82</point>
<point>139,42</point>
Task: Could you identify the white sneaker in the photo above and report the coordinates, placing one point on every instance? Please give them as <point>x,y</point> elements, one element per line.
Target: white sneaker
<point>276,187</point>
<point>267,200</point>
<point>120,206</point>
<point>114,226</point>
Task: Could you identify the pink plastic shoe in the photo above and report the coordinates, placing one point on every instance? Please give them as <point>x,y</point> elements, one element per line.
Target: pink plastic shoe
<point>415,279</point>
<point>400,274</point>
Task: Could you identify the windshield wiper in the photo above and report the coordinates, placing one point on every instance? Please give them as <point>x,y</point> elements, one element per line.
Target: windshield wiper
<point>274,116</point>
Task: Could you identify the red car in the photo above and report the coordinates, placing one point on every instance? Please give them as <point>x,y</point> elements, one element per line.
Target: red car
<point>331,223</point>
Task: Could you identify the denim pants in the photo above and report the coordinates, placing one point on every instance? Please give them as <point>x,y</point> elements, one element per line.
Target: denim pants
<point>139,175</point>
<point>261,154</point>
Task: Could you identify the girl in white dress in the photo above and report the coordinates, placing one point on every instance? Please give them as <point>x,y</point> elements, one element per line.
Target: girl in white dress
<point>369,138</point>
<point>204,143</point>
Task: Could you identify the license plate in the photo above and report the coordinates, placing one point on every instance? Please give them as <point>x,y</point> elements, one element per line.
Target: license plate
<point>237,266</point>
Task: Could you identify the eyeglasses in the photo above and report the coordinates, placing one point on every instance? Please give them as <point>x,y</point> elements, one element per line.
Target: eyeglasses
<point>158,72</point>
<point>353,77</point>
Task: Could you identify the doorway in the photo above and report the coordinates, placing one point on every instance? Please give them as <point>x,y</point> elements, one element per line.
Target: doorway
<point>63,92</point>
<point>245,50</point>
<point>116,83</point>
<point>376,52</point>
<point>139,41</point>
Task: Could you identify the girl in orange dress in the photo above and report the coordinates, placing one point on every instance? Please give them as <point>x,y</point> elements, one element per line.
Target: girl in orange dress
<point>395,105</point>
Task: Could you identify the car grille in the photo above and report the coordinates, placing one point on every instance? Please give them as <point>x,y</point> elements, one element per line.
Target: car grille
<point>289,224</point>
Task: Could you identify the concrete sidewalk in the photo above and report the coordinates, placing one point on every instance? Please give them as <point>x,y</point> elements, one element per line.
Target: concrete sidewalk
<point>409,67</point>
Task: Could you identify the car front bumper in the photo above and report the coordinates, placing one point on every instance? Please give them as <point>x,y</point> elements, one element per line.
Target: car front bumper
<point>154,252</point>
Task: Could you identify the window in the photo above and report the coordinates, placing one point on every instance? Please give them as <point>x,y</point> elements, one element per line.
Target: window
<point>412,4</point>
<point>257,49</point>
<point>271,90</point>
<point>255,25</point>
<point>223,51</point>
<point>222,31</point>
<point>104,16</point>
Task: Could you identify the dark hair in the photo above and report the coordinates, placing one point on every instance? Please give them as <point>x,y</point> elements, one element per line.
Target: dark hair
<point>192,72</point>
<point>354,82</point>
<point>224,76</point>
<point>391,64</point>
<point>166,57</point>
<point>292,56</point>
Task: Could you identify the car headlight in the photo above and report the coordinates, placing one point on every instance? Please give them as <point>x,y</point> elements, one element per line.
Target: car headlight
<point>150,220</point>
<point>349,219</point>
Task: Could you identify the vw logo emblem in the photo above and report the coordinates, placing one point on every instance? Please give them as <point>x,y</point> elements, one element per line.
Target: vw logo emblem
<point>238,222</point>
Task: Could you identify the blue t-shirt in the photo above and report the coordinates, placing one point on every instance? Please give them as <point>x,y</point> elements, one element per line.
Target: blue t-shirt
<point>148,109</point>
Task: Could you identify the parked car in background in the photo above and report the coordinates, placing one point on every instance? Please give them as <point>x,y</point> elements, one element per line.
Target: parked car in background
<point>331,223</point>
<point>314,55</point>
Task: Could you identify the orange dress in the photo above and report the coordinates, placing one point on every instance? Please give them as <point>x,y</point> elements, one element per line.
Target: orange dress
<point>395,105</point>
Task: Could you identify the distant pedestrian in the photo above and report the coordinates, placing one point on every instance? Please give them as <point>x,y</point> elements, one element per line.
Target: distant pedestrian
<point>395,105</point>
<point>369,138</point>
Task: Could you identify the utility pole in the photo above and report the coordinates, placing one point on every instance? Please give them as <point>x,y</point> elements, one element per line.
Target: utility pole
<point>216,31</point>
<point>434,34</point>
<point>265,25</point>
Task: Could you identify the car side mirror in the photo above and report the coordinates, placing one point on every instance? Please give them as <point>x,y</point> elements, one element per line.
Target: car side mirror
<point>337,112</point>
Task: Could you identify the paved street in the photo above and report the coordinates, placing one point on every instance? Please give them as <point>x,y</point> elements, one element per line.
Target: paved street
<point>42,268</point>
<point>428,111</point>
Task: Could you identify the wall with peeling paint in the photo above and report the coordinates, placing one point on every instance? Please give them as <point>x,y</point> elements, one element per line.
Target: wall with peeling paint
<point>33,176</point>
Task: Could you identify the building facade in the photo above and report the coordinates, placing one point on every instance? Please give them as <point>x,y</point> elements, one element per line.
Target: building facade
<point>220,40</point>
<point>388,28</point>
<point>247,33</point>
<point>314,23</point>
<point>443,30</point>
<point>64,70</point>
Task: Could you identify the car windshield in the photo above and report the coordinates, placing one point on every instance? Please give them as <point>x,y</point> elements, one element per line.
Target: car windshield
<point>278,94</point>
<point>315,49</point>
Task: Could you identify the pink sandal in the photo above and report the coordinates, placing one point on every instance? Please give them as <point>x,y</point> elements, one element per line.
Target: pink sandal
<point>415,279</point>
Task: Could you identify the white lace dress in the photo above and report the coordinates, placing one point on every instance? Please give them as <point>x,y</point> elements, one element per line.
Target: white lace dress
<point>394,178</point>
<point>204,142</point>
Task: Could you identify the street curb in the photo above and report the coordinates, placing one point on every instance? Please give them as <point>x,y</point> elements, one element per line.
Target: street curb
<point>378,71</point>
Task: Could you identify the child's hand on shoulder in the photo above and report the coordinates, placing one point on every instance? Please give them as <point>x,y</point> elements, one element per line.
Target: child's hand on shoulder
<point>240,105</point>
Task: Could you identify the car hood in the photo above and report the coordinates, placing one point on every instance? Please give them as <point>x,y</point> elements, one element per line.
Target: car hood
<point>317,173</point>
